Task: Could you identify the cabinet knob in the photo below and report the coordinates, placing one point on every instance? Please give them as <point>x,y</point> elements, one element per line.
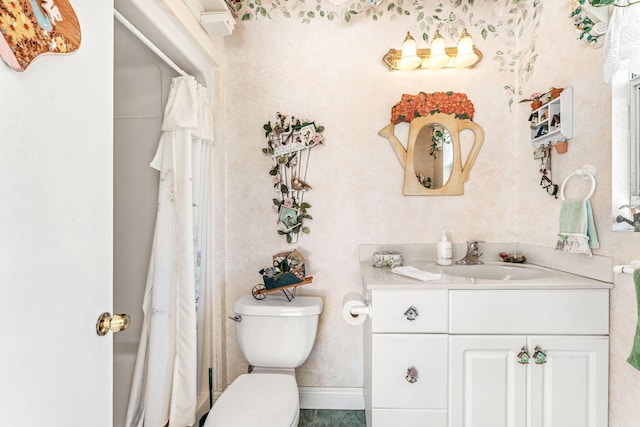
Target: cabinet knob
<point>539,356</point>
<point>411,313</point>
<point>523,356</point>
<point>412,375</point>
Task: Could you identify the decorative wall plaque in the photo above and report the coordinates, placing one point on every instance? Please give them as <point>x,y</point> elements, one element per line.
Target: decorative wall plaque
<point>31,28</point>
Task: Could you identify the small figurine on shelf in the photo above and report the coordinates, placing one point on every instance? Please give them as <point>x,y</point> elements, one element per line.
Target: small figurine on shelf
<point>543,115</point>
<point>543,130</point>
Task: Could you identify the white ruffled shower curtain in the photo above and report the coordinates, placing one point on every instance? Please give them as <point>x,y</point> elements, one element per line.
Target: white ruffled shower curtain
<point>164,387</point>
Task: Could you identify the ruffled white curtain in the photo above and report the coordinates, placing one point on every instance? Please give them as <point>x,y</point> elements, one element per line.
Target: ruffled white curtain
<point>164,387</point>
<point>622,41</point>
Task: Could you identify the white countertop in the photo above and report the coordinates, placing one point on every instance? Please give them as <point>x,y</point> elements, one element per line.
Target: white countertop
<point>383,279</point>
<point>554,269</point>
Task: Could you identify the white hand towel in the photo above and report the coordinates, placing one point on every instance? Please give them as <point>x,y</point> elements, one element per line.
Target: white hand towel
<point>415,273</point>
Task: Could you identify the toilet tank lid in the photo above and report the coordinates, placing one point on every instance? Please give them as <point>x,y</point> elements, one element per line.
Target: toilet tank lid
<point>278,306</point>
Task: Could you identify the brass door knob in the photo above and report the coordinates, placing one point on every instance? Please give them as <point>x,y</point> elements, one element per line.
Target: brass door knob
<point>115,323</point>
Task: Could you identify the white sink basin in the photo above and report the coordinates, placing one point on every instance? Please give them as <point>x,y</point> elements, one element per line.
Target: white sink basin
<point>492,271</point>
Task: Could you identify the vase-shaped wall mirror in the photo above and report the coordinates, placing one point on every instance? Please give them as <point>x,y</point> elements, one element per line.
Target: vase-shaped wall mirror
<point>433,155</point>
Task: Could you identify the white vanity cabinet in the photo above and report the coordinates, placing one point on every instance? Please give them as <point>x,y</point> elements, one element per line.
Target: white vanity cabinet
<point>489,387</point>
<point>467,348</point>
<point>406,358</point>
<point>495,377</point>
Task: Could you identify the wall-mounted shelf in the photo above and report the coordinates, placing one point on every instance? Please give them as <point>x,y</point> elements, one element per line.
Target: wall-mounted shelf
<point>217,23</point>
<point>553,122</point>
<point>215,16</point>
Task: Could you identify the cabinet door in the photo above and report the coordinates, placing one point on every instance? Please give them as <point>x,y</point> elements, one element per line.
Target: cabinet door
<point>487,384</point>
<point>571,388</point>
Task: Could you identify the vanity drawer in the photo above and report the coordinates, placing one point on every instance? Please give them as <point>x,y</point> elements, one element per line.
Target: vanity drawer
<point>392,357</point>
<point>409,311</point>
<point>570,312</point>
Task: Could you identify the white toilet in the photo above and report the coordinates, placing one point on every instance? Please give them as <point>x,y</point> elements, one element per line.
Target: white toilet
<point>275,336</point>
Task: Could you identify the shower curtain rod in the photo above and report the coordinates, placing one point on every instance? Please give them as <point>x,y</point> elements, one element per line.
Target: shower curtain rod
<point>155,49</point>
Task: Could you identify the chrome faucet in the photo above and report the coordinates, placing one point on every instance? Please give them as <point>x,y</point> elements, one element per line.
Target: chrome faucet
<point>473,254</point>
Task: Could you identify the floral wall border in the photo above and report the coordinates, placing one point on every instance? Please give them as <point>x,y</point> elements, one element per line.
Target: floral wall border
<point>516,59</point>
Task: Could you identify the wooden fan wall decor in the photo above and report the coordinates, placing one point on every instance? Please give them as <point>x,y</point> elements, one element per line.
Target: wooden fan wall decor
<point>31,28</point>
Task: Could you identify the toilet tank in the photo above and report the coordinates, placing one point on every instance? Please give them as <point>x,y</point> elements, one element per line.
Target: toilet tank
<point>275,332</point>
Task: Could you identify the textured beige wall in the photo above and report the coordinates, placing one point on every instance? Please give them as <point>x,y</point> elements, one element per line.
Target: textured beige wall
<point>331,72</point>
<point>563,62</point>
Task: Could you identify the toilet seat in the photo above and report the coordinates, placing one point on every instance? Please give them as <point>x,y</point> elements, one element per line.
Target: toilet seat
<point>257,400</point>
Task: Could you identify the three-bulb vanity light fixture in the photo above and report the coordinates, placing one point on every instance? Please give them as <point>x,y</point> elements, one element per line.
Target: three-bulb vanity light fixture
<point>464,55</point>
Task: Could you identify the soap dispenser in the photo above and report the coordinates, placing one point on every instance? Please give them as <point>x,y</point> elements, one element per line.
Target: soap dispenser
<point>444,251</point>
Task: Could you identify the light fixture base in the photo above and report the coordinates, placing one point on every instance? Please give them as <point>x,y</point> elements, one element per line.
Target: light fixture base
<point>393,56</point>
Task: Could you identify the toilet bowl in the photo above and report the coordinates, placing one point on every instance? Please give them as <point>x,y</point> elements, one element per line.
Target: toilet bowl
<point>266,400</point>
<point>275,336</point>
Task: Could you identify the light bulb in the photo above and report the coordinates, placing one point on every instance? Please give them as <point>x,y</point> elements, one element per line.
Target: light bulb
<point>438,57</point>
<point>409,59</point>
<point>466,56</point>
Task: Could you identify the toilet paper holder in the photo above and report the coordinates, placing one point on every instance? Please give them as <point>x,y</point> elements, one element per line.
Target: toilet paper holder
<point>355,309</point>
<point>360,311</point>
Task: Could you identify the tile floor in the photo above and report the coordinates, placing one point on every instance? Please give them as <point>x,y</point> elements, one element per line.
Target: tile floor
<point>331,418</point>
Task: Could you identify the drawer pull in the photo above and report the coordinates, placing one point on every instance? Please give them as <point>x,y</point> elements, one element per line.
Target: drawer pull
<point>412,375</point>
<point>411,313</point>
<point>523,356</point>
<point>539,356</point>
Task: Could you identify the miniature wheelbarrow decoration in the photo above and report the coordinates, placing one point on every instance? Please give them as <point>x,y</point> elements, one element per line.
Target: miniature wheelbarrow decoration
<point>432,159</point>
<point>289,143</point>
<point>285,274</point>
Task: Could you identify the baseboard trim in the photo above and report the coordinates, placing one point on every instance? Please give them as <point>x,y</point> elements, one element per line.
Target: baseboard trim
<point>351,398</point>
<point>342,398</point>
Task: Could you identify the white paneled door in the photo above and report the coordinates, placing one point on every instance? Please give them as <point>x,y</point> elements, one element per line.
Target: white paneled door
<point>488,385</point>
<point>56,121</point>
<point>571,388</point>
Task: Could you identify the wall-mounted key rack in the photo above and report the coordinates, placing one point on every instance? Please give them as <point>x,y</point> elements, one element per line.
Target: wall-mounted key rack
<point>543,155</point>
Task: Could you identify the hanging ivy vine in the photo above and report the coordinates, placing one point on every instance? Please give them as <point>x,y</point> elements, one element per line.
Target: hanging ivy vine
<point>520,17</point>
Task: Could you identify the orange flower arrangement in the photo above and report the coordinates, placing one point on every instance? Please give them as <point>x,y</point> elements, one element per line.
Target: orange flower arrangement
<point>422,104</point>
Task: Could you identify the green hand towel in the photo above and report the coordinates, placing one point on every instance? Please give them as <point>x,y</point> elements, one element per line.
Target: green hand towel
<point>572,236</point>
<point>573,216</point>
<point>591,227</point>
<point>634,357</point>
<point>577,229</point>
